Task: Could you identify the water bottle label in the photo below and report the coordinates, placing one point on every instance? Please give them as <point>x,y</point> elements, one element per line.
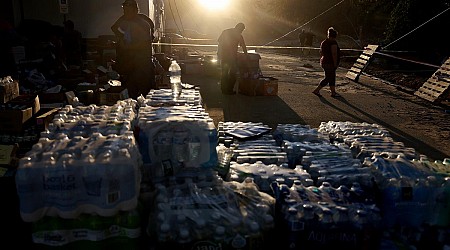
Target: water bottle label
<point>296,226</point>
<point>63,237</point>
<point>66,192</point>
<point>187,145</point>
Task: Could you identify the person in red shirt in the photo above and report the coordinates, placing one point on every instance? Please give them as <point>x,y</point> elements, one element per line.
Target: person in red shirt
<point>329,61</point>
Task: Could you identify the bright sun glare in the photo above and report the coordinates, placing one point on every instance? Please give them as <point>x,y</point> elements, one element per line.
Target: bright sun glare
<point>214,4</point>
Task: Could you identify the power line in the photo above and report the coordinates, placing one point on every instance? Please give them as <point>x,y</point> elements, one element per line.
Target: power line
<point>178,14</point>
<point>408,60</point>
<point>195,19</point>
<point>305,23</point>
<point>173,16</point>
<point>415,28</point>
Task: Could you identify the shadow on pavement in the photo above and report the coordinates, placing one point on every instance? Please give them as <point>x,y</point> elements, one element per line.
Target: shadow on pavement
<point>269,110</point>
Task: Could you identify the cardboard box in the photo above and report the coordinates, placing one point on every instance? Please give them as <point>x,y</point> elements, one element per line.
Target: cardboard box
<point>27,100</point>
<point>269,86</point>
<point>249,63</point>
<point>263,86</point>
<point>8,159</point>
<point>111,95</point>
<point>12,120</point>
<point>45,117</point>
<point>8,91</point>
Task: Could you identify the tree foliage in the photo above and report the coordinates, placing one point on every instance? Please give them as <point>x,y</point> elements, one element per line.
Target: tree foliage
<point>369,21</point>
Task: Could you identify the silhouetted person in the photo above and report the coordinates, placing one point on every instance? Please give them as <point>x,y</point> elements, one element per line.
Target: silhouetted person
<point>309,38</point>
<point>8,39</point>
<point>302,40</point>
<point>53,64</point>
<point>72,44</point>
<point>134,32</point>
<point>229,40</point>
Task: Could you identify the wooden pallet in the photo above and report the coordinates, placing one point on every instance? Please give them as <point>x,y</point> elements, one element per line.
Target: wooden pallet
<point>436,88</point>
<point>361,63</point>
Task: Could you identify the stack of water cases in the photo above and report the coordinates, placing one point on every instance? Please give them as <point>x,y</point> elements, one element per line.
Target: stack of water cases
<point>164,97</point>
<point>413,191</point>
<point>197,210</point>
<point>79,185</point>
<point>334,206</point>
<point>187,203</point>
<point>175,137</point>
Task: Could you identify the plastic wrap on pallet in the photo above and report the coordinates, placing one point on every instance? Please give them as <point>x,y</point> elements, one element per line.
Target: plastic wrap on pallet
<point>86,120</point>
<point>203,210</point>
<point>68,177</point>
<point>298,133</point>
<point>337,131</point>
<point>171,144</point>
<point>165,98</point>
<point>264,174</point>
<point>324,217</point>
<point>121,231</point>
<point>365,145</point>
<point>409,190</point>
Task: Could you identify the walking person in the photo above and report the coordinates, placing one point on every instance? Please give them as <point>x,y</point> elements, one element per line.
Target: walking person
<point>229,41</point>
<point>302,40</point>
<point>329,61</point>
<point>134,32</point>
<point>309,38</point>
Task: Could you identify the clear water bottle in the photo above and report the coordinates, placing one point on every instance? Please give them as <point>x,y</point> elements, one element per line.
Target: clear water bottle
<point>441,216</point>
<point>175,78</point>
<point>294,226</point>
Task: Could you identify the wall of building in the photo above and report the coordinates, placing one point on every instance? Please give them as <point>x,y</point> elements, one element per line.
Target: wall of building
<point>92,18</point>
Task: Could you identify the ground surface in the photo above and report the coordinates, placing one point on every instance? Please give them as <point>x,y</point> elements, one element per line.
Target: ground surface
<point>417,123</point>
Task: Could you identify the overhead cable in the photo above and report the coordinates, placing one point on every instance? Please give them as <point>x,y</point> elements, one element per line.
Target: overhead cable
<point>173,16</point>
<point>408,60</point>
<point>305,23</point>
<point>181,22</point>
<point>416,28</point>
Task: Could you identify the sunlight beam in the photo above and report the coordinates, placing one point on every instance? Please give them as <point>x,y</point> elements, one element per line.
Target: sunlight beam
<point>214,5</point>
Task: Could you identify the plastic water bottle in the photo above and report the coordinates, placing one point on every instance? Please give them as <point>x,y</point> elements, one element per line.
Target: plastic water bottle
<point>294,226</point>
<point>441,216</point>
<point>175,78</point>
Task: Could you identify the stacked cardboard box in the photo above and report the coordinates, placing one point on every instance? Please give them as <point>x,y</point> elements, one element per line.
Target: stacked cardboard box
<point>262,86</point>
<point>251,81</point>
<point>9,89</point>
<point>15,113</point>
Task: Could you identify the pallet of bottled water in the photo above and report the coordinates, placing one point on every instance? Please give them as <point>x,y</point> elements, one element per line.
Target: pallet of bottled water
<point>298,133</point>
<point>172,138</point>
<point>67,177</point>
<point>165,97</point>
<point>199,210</point>
<point>412,192</point>
<point>75,169</point>
<point>324,216</point>
<point>86,120</point>
<point>90,231</point>
<point>365,139</point>
<point>337,130</point>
